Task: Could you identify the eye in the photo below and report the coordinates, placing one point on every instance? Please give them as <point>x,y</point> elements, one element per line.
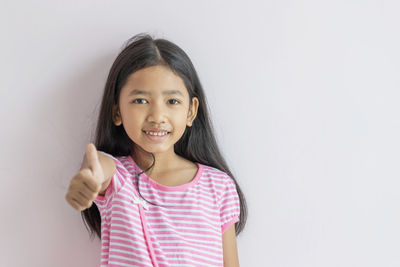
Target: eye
<point>175,101</point>
<point>138,99</point>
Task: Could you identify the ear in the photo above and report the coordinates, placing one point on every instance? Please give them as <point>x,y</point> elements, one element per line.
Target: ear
<point>192,111</point>
<point>116,116</point>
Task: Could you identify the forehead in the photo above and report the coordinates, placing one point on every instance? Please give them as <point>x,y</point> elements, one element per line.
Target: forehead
<point>154,80</point>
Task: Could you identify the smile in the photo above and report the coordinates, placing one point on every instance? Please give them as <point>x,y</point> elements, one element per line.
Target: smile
<point>157,137</point>
<point>156,133</point>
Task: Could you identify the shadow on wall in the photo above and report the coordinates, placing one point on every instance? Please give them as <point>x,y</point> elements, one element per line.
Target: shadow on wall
<point>69,115</point>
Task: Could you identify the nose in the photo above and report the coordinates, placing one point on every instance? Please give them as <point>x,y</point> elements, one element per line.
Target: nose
<point>156,113</point>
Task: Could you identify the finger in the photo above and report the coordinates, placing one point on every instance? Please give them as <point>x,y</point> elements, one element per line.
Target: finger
<point>88,194</point>
<point>94,163</point>
<point>88,180</point>
<point>74,203</point>
<point>82,202</point>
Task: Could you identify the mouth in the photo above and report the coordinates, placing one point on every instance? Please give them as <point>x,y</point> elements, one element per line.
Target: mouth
<point>156,136</point>
<point>159,133</point>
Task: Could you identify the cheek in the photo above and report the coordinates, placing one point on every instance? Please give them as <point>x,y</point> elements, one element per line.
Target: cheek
<point>131,122</point>
<point>181,119</point>
<point>181,127</point>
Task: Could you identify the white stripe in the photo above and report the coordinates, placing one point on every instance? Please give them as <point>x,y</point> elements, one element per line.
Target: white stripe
<point>228,210</point>
<point>126,258</point>
<point>135,244</point>
<point>187,220</point>
<point>173,228</point>
<point>186,234</point>
<point>139,234</point>
<point>199,190</point>
<point>180,226</point>
<point>184,208</point>
<point>204,199</point>
<point>211,223</point>
<point>134,237</point>
<point>207,245</point>
<point>139,252</point>
<point>123,215</point>
<point>192,255</point>
<point>174,247</point>
<point>216,244</point>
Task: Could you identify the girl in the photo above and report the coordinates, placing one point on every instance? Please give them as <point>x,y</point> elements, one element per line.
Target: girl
<point>163,194</point>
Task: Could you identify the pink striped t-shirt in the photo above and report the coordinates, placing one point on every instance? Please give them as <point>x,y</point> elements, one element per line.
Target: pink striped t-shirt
<point>185,229</point>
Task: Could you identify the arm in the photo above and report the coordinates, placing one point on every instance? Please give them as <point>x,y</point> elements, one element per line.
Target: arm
<point>229,247</point>
<point>109,169</point>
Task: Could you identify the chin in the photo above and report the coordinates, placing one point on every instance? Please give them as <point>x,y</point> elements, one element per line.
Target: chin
<point>154,149</point>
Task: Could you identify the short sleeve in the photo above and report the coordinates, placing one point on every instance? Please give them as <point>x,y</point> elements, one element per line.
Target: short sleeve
<point>229,204</point>
<point>117,181</point>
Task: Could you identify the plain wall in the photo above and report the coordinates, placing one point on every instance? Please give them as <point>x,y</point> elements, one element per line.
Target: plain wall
<point>304,97</point>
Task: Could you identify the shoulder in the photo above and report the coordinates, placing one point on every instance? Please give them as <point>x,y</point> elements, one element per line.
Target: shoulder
<point>216,175</point>
<point>124,171</point>
<point>227,197</point>
<point>123,164</point>
<point>118,159</point>
<point>218,179</point>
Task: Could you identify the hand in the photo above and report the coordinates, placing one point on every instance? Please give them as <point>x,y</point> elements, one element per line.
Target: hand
<point>86,184</point>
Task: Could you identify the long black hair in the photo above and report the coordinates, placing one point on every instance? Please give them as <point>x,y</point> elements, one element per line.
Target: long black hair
<point>197,144</point>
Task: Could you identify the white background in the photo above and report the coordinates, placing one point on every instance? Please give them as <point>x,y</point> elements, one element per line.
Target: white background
<point>304,96</point>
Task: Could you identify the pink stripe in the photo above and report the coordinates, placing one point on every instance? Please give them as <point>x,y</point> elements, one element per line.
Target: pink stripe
<point>130,252</point>
<point>184,231</point>
<point>134,243</point>
<point>212,243</point>
<point>194,258</point>
<point>180,244</point>
<point>167,201</point>
<point>192,252</point>
<point>177,213</point>
<point>228,224</point>
<point>181,224</point>
<point>128,231</point>
<point>150,246</point>
<point>131,262</point>
<point>193,237</point>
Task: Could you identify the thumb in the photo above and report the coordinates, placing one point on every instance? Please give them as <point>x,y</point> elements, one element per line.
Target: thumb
<point>94,163</point>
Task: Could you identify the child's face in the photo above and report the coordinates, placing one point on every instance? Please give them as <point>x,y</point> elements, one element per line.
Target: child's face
<point>154,108</point>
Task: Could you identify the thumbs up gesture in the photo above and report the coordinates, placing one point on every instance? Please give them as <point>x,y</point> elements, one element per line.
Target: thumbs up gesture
<point>87,183</point>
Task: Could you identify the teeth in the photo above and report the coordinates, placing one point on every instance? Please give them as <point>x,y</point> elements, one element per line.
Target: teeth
<point>157,133</point>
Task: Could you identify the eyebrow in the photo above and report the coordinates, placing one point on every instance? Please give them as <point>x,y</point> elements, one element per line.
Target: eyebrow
<point>166,92</point>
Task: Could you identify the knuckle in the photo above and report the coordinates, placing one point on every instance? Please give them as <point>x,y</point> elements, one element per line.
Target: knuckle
<point>82,174</point>
<point>74,181</point>
<point>93,196</point>
<point>98,188</point>
<point>73,188</point>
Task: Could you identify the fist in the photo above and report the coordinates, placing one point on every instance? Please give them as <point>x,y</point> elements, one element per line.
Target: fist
<point>86,184</point>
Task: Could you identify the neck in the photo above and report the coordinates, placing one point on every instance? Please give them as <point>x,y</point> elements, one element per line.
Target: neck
<point>163,160</point>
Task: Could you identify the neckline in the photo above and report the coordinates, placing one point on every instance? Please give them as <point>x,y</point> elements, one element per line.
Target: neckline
<point>162,187</point>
